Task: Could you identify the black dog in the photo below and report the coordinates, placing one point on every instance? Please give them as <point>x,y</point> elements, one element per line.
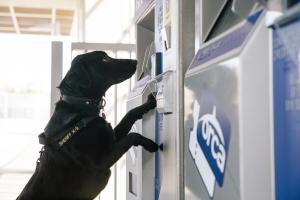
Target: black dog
<point>79,145</point>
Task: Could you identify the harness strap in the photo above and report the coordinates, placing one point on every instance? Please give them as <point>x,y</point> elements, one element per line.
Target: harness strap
<point>67,136</point>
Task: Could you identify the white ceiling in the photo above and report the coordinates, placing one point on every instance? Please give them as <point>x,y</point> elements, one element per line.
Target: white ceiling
<point>46,17</point>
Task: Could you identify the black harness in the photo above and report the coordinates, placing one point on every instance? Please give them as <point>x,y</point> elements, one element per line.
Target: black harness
<point>66,136</point>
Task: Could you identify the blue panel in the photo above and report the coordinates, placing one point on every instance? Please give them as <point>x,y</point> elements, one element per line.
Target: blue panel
<point>158,164</point>
<point>229,42</point>
<point>286,59</point>
<point>295,1</point>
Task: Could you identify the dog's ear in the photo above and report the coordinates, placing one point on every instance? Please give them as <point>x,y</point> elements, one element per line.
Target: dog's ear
<point>77,80</point>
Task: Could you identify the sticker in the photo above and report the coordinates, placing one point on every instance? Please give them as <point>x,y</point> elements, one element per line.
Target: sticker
<point>209,141</point>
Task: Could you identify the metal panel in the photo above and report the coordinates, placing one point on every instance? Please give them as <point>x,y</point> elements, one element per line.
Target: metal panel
<point>144,39</point>
<point>170,26</point>
<point>102,46</point>
<point>212,85</point>
<point>145,166</point>
<point>226,20</point>
<point>140,164</point>
<point>232,86</point>
<point>134,158</point>
<point>242,7</point>
<point>256,141</point>
<point>56,72</point>
<point>210,11</point>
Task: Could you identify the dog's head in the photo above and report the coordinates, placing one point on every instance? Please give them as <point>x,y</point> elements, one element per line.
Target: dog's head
<point>91,74</point>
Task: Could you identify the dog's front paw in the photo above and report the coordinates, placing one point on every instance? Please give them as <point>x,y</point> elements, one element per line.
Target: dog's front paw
<point>151,101</point>
<point>148,144</point>
<point>138,112</point>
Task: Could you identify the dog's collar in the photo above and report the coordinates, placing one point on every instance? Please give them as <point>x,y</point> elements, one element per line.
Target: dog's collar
<point>98,103</point>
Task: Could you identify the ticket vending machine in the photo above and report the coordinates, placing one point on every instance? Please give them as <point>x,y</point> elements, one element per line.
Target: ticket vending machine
<point>140,164</point>
<point>158,50</point>
<point>227,126</point>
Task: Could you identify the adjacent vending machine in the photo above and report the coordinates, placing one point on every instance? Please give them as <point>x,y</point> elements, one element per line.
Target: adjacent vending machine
<point>227,118</point>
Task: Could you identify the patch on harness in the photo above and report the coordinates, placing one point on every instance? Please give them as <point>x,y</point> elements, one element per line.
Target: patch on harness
<point>68,136</point>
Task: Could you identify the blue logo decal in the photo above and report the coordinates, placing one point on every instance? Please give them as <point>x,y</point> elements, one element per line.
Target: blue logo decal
<point>209,140</point>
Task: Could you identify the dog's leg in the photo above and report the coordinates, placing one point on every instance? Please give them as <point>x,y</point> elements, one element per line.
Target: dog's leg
<point>123,145</point>
<point>123,128</point>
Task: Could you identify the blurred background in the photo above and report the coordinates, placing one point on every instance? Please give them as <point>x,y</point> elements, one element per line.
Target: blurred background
<point>29,34</point>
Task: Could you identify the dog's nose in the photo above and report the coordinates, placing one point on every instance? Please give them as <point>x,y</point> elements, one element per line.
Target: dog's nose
<point>134,62</point>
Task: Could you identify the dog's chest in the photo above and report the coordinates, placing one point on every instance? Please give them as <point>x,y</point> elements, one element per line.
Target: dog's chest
<point>96,139</point>
<point>107,131</point>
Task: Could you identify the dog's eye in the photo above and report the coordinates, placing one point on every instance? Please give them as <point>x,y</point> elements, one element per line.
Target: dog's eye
<point>106,59</point>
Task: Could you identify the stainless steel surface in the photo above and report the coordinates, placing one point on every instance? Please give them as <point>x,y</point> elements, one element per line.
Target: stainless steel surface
<point>139,162</point>
<point>239,81</point>
<point>210,11</point>
<point>176,58</point>
<point>56,72</point>
<point>255,115</point>
<point>197,21</point>
<point>223,81</point>
<point>186,53</point>
<point>134,156</point>
<point>242,7</point>
<point>226,20</point>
